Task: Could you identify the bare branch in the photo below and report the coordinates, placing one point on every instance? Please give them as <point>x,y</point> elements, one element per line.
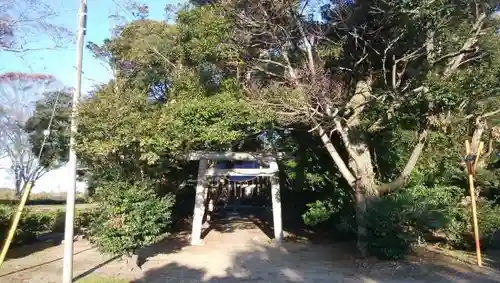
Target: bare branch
<point>401,181</point>
<point>455,61</point>
<point>18,92</point>
<point>341,165</point>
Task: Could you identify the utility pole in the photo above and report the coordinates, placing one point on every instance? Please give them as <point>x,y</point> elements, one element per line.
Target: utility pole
<point>67,276</point>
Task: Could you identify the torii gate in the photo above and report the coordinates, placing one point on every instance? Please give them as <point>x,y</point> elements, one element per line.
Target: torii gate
<point>204,171</point>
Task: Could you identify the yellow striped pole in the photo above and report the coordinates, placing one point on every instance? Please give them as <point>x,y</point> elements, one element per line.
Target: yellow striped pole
<point>15,221</point>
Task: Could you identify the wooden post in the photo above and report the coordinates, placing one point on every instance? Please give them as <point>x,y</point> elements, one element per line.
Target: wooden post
<point>471,161</point>
<point>199,205</point>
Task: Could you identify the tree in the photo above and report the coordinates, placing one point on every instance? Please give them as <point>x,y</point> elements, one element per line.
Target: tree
<point>366,68</point>
<point>53,109</point>
<point>132,128</point>
<point>23,21</point>
<point>375,81</point>
<point>18,92</point>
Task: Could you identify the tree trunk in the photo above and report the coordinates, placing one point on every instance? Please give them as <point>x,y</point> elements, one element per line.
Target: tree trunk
<point>18,188</point>
<point>364,184</point>
<point>358,170</point>
<point>480,127</point>
<point>132,262</point>
<point>365,189</point>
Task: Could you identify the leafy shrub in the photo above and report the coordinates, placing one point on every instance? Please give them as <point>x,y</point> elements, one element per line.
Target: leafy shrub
<point>5,216</point>
<point>31,225</point>
<point>130,216</point>
<point>489,220</point>
<point>35,222</point>
<point>320,211</point>
<point>395,222</point>
<point>84,219</point>
<point>459,234</point>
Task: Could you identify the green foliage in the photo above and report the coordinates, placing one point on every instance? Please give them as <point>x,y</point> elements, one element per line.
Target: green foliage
<point>31,225</point>
<point>233,69</point>
<point>210,122</point>
<point>396,222</point>
<point>320,211</point>
<point>489,221</point>
<point>35,222</point>
<point>460,233</point>
<point>488,182</point>
<point>56,147</point>
<point>207,35</point>
<point>131,216</point>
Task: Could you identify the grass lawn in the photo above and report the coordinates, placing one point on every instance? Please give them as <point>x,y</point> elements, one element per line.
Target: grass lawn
<point>44,201</point>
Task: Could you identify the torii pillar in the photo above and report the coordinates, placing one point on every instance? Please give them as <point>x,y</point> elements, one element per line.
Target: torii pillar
<point>199,203</point>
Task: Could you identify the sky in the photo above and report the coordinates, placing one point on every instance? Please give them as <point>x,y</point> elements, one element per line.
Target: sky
<point>61,63</point>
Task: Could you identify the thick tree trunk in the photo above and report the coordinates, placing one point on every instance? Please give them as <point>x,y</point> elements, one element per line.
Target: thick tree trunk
<point>365,190</point>
<point>364,184</point>
<point>358,169</point>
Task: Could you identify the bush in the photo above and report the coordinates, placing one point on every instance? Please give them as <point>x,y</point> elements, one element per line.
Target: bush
<point>459,234</point>
<point>35,222</point>
<point>320,211</point>
<point>31,225</point>
<point>131,216</point>
<point>395,222</point>
<point>84,219</point>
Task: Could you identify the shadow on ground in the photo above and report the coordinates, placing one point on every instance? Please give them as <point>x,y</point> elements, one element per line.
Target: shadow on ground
<point>41,264</point>
<point>296,261</point>
<point>169,245</point>
<point>236,251</point>
<point>309,264</point>
<point>45,242</point>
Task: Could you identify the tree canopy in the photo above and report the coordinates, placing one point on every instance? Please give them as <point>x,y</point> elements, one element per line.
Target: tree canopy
<point>381,93</point>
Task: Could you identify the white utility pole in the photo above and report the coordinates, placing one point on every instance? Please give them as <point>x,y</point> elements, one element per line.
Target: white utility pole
<point>67,276</point>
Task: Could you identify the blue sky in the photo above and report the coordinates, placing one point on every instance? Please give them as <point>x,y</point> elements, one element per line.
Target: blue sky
<point>61,62</point>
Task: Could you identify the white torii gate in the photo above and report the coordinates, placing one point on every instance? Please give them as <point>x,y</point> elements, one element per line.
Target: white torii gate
<point>204,171</point>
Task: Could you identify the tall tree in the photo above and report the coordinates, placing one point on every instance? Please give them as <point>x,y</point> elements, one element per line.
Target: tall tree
<point>356,76</point>
<point>18,93</point>
<point>363,69</point>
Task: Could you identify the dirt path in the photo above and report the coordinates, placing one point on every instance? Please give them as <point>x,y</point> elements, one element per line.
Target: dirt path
<point>241,252</point>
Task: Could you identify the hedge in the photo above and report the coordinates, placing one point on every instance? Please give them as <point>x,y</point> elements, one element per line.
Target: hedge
<point>35,223</point>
